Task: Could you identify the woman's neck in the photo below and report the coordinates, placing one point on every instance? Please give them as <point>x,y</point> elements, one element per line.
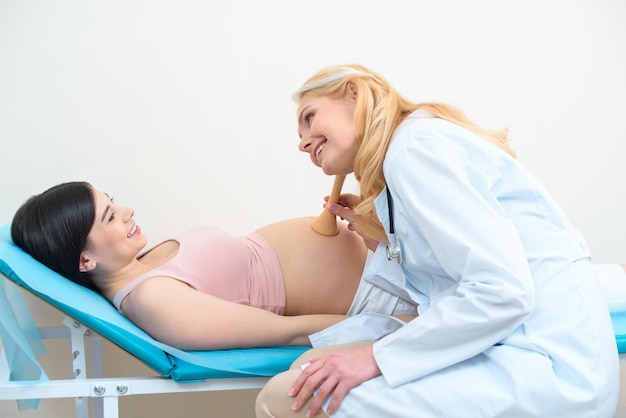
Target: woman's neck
<point>112,281</point>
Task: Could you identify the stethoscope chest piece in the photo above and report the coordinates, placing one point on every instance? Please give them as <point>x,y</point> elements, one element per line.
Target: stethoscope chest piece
<point>393,248</point>
<point>394,251</point>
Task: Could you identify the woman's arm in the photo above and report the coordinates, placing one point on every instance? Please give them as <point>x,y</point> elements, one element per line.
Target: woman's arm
<point>178,315</point>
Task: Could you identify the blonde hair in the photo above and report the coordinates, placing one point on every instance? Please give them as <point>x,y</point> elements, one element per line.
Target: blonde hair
<point>379,110</point>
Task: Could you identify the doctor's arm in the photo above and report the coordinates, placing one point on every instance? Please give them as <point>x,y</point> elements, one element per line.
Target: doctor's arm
<point>478,246</point>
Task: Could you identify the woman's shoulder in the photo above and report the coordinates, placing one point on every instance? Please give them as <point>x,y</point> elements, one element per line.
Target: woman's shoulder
<point>154,302</point>
<point>146,291</point>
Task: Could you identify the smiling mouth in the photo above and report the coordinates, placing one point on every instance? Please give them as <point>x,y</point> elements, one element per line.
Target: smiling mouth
<point>318,151</point>
<point>132,231</point>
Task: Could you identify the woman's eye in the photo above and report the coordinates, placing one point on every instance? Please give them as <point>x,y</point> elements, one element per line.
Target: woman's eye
<point>112,216</point>
<point>308,118</point>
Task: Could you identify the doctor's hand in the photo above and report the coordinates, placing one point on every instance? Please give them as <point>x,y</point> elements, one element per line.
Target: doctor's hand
<point>334,375</point>
<point>346,200</point>
<point>343,209</point>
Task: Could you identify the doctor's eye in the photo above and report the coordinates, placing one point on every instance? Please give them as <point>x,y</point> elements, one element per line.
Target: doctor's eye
<point>308,117</point>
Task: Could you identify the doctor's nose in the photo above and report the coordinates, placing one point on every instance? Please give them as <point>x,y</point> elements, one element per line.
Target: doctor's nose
<point>305,144</point>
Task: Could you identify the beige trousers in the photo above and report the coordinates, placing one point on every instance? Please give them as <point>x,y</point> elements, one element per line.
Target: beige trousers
<point>273,400</point>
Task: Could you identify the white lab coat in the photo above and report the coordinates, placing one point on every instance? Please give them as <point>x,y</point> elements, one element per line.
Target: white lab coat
<point>512,321</point>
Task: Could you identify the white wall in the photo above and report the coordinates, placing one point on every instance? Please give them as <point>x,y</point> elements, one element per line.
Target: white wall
<point>182,109</point>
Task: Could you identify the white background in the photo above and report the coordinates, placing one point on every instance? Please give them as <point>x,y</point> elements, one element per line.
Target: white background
<point>182,109</point>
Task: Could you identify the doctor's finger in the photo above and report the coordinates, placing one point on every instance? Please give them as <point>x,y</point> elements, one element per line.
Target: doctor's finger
<point>342,212</point>
<point>324,391</point>
<point>338,394</point>
<point>305,385</point>
<point>348,200</point>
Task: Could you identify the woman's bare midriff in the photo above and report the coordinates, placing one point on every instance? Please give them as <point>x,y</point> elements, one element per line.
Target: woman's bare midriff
<point>321,273</point>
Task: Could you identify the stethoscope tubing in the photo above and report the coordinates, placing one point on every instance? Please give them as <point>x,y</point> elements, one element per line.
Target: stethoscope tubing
<point>394,250</point>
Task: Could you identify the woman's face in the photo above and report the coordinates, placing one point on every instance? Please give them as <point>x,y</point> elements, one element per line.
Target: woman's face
<point>114,239</point>
<point>326,131</point>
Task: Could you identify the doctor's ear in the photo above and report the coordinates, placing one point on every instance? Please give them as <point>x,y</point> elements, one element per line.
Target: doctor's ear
<point>351,92</point>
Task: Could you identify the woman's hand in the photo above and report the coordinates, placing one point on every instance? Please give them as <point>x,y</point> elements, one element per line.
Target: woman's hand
<point>343,209</point>
<point>334,375</point>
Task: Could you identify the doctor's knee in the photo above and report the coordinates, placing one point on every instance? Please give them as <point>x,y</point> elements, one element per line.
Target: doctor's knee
<point>274,402</point>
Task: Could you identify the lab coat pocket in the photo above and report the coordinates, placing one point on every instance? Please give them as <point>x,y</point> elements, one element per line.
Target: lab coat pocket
<point>574,245</point>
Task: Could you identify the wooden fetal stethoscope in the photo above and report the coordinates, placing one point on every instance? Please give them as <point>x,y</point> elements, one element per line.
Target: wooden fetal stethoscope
<point>326,222</point>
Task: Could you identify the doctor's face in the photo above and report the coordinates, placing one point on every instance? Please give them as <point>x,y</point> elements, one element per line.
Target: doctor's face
<point>326,131</point>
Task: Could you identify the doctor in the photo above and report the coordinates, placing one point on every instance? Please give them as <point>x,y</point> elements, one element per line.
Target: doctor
<point>511,317</point>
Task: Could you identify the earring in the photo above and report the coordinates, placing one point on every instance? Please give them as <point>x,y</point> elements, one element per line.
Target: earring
<point>93,264</point>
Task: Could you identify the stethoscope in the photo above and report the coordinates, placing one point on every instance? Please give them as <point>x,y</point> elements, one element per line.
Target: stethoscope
<point>393,248</point>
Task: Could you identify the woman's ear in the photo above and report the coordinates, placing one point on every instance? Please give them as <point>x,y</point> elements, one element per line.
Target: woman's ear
<point>85,263</point>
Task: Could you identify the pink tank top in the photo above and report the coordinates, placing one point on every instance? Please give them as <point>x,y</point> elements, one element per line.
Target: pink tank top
<point>244,270</point>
